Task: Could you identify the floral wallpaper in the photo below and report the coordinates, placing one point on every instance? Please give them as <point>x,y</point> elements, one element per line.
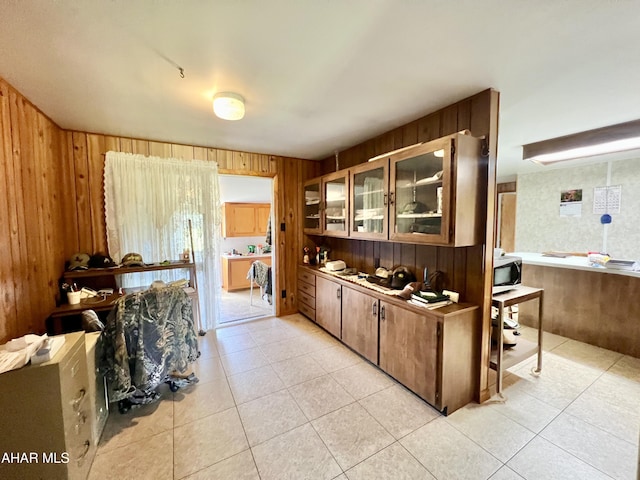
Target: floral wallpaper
<point>539,226</point>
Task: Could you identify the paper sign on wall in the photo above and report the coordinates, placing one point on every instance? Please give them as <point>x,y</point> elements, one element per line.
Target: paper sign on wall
<point>607,199</point>
<point>571,203</point>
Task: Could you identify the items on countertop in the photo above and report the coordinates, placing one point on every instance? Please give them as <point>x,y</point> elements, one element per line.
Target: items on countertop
<point>400,283</point>
<point>401,277</point>
<point>335,265</point>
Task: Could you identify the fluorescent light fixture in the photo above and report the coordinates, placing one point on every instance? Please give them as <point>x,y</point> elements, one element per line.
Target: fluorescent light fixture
<point>228,106</point>
<point>600,149</point>
<point>615,138</point>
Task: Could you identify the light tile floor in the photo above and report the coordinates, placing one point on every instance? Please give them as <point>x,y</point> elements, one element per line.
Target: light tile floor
<point>279,398</point>
<point>240,305</point>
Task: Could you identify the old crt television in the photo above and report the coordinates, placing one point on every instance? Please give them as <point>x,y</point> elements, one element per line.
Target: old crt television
<point>507,273</point>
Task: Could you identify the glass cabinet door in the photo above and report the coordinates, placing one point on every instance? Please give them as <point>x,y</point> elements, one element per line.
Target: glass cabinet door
<point>369,186</point>
<point>335,189</point>
<point>419,198</point>
<point>312,203</point>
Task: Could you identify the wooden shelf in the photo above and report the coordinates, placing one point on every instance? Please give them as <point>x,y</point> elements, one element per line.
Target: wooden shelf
<point>100,272</point>
<point>514,355</point>
<point>419,215</point>
<point>524,348</point>
<point>97,278</point>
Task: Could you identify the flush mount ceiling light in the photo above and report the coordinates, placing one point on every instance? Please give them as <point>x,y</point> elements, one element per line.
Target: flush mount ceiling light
<point>615,138</point>
<point>228,106</point>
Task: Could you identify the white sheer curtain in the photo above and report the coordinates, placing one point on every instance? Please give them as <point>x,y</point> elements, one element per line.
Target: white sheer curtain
<point>149,202</point>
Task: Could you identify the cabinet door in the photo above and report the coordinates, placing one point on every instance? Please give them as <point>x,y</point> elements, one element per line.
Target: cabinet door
<point>409,349</point>
<point>238,270</point>
<point>360,327</point>
<point>368,200</point>
<point>311,207</point>
<point>329,305</point>
<point>420,193</point>
<point>436,191</point>
<point>239,219</point>
<point>335,188</point>
<point>262,218</point>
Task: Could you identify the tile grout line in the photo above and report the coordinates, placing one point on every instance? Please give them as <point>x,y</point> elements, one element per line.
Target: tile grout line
<point>561,411</point>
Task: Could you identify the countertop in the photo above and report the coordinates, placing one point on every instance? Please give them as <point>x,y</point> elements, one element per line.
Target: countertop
<point>352,281</point>
<point>573,262</point>
<point>251,255</point>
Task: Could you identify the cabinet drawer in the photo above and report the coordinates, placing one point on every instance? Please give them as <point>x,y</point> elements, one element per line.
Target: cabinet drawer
<point>307,277</point>
<point>307,299</point>
<point>307,311</point>
<point>81,448</point>
<point>307,288</point>
<point>74,380</point>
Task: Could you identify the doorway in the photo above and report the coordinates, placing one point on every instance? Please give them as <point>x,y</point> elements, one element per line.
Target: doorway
<point>507,221</point>
<point>247,266</point>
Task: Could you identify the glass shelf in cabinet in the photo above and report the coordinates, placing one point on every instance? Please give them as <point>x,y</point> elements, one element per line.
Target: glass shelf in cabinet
<point>418,215</point>
<point>360,194</point>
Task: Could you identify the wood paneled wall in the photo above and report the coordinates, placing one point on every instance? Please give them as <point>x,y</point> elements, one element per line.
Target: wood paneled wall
<point>466,270</point>
<point>595,307</point>
<point>506,187</point>
<point>52,204</point>
<point>32,241</point>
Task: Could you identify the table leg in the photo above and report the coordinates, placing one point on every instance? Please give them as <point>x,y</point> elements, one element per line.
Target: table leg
<point>539,369</point>
<point>500,347</point>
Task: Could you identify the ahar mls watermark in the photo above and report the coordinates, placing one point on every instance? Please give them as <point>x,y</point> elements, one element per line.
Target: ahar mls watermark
<point>34,457</point>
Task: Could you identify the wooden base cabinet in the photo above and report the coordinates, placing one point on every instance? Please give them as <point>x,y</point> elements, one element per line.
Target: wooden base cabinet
<point>437,357</point>
<point>235,270</point>
<point>307,294</point>
<point>360,325</point>
<point>409,350</point>
<point>434,353</point>
<point>329,306</point>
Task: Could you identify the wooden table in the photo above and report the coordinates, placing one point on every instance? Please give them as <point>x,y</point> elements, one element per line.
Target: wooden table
<point>501,360</point>
<point>66,318</point>
<point>68,314</point>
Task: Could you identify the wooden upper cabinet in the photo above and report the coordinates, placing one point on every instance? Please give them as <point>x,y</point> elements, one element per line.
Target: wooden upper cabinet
<point>369,200</point>
<point>263,212</point>
<point>335,206</point>
<point>312,207</point>
<point>246,219</point>
<point>326,206</point>
<point>435,192</point>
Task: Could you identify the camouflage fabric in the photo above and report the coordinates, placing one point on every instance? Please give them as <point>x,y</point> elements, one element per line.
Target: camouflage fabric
<point>147,336</point>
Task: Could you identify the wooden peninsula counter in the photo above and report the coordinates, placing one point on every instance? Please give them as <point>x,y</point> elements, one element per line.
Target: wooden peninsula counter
<point>596,305</point>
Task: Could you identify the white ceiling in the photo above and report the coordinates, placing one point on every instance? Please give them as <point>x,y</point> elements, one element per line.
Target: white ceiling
<point>321,75</point>
<point>245,189</point>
